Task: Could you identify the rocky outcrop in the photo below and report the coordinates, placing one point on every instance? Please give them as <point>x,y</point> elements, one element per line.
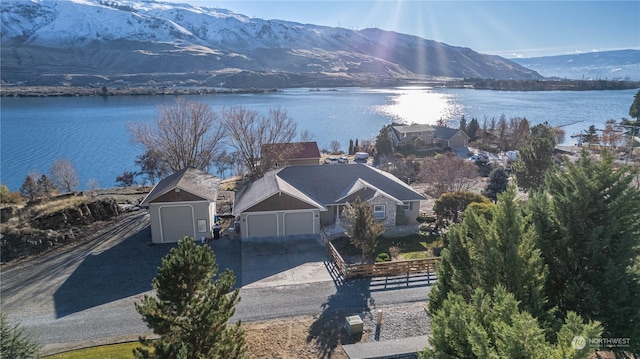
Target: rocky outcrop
<point>22,242</point>
<point>21,238</point>
<point>99,210</point>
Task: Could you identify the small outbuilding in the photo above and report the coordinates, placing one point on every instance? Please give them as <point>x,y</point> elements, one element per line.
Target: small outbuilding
<point>183,204</point>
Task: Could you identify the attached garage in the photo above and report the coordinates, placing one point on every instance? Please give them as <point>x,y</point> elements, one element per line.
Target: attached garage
<point>280,223</point>
<point>298,223</point>
<point>261,224</point>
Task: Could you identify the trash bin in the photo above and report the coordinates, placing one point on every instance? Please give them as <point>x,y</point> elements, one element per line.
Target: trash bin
<point>216,231</point>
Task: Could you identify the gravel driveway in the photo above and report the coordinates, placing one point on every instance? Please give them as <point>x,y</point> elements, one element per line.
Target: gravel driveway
<point>84,294</point>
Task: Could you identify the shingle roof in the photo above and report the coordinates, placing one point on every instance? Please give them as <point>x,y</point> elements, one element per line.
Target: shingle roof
<point>323,185</point>
<point>413,128</point>
<point>307,150</point>
<point>446,133</point>
<point>192,180</point>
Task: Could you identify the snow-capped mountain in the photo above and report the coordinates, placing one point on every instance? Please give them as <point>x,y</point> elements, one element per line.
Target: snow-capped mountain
<point>602,65</point>
<point>49,42</point>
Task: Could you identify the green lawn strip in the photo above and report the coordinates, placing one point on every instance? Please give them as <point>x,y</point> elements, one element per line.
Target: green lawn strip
<point>110,351</point>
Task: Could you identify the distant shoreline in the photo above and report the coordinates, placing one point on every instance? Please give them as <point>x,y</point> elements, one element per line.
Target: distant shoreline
<point>475,84</point>
<point>71,91</point>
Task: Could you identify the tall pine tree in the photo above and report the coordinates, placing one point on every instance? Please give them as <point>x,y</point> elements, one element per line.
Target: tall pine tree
<point>535,157</point>
<point>484,254</point>
<point>588,224</point>
<point>191,310</point>
<point>489,300</point>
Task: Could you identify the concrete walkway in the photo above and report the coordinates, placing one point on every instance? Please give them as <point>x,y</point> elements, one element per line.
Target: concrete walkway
<point>404,348</point>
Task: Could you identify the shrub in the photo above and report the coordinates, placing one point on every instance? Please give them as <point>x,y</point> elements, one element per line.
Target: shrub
<point>383,257</point>
<point>9,197</point>
<point>424,219</point>
<point>16,342</point>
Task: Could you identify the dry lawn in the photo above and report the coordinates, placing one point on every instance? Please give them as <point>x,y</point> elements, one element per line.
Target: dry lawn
<point>302,337</point>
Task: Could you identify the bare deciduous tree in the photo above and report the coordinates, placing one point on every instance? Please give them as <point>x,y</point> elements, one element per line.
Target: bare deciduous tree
<point>334,146</point>
<point>306,136</point>
<point>519,128</point>
<point>187,134</point>
<point>249,132</point>
<point>611,135</point>
<point>64,175</point>
<point>447,173</point>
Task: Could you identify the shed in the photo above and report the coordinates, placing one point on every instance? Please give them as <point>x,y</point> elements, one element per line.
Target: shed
<point>183,204</point>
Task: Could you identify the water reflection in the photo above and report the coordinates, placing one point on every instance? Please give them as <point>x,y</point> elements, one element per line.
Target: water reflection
<point>422,105</point>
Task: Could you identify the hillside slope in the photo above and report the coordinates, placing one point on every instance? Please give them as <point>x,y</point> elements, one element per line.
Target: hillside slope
<point>604,65</point>
<point>80,42</point>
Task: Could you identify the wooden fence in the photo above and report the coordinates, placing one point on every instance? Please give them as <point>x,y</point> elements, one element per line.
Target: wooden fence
<point>380,269</point>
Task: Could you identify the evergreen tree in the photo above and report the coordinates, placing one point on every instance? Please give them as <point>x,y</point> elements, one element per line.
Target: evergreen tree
<point>634,110</point>
<point>535,157</point>
<point>384,146</point>
<point>498,183</point>
<point>483,254</point>
<point>362,228</point>
<point>191,310</point>
<point>29,188</point>
<point>489,300</point>
<point>14,342</point>
<point>463,124</point>
<point>356,148</point>
<point>590,136</point>
<point>496,327</point>
<point>351,152</point>
<point>45,186</point>
<point>587,219</point>
<point>472,129</point>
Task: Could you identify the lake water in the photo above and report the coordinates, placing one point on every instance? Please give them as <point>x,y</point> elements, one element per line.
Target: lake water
<point>92,131</point>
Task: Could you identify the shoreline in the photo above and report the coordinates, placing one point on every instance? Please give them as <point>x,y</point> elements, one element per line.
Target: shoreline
<point>475,84</point>
<point>76,91</point>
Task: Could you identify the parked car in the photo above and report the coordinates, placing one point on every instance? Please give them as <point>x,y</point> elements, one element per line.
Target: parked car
<point>481,157</point>
<point>330,160</point>
<point>343,160</point>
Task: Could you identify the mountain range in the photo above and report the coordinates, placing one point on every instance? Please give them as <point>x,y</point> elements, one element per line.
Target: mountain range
<point>106,43</point>
<point>604,65</point>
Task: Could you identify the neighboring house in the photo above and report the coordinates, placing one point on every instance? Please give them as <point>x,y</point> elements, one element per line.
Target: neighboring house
<point>302,153</point>
<point>451,137</point>
<point>300,199</point>
<point>427,135</point>
<point>412,135</point>
<point>183,204</point>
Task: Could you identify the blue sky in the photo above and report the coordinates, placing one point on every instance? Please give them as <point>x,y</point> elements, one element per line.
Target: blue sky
<point>505,28</point>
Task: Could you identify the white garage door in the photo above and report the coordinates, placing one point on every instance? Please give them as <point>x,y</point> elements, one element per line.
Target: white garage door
<point>298,223</point>
<point>262,225</point>
<point>177,222</point>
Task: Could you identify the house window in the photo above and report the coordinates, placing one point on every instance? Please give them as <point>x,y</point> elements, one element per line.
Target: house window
<point>406,206</point>
<point>202,225</point>
<point>378,211</point>
<point>404,135</point>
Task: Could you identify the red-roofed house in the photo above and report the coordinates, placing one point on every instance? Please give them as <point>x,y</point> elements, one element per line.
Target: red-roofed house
<point>303,153</point>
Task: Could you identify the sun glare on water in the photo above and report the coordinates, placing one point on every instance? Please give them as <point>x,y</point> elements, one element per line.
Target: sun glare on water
<point>421,106</point>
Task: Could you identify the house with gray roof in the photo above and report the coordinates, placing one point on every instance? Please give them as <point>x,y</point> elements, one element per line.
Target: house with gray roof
<point>301,199</point>
<point>183,204</point>
<point>427,135</point>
